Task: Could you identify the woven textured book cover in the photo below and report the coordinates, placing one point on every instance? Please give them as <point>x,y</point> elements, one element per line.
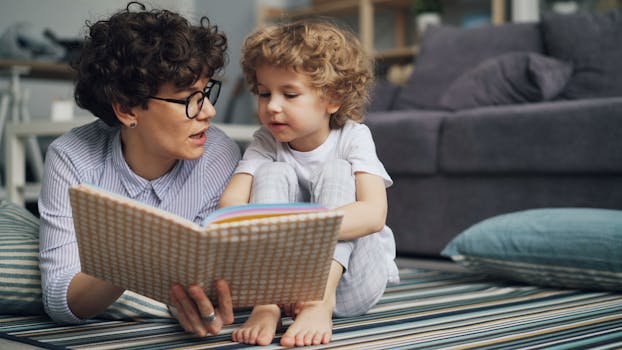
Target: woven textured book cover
<point>272,260</point>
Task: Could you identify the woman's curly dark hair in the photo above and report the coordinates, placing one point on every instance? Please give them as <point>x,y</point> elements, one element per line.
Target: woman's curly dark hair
<point>127,57</point>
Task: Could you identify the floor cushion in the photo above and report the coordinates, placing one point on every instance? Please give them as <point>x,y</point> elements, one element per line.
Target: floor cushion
<point>577,248</point>
<point>20,278</point>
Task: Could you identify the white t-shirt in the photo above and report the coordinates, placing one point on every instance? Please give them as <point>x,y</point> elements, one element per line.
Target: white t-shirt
<point>352,143</point>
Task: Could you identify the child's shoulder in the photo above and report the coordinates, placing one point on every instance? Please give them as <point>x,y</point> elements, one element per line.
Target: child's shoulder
<point>354,135</point>
<point>353,127</point>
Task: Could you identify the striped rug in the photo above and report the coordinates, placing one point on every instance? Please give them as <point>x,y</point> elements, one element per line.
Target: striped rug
<point>428,310</point>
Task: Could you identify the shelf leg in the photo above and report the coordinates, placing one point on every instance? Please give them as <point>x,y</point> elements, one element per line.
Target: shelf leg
<point>366,23</point>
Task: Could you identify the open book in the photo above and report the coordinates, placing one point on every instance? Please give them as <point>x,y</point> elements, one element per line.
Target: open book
<point>269,254</point>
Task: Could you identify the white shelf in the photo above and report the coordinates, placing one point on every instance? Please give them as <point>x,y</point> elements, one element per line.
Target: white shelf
<point>19,192</point>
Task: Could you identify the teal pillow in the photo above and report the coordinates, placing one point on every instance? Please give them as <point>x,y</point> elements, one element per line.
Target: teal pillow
<point>20,279</point>
<point>577,248</point>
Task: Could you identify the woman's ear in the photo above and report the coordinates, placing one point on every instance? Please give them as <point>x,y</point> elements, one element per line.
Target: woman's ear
<point>125,115</point>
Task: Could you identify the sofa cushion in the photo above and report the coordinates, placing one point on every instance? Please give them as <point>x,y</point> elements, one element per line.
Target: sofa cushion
<point>407,141</point>
<point>593,43</point>
<point>383,96</point>
<point>557,247</point>
<point>558,137</point>
<point>447,52</point>
<point>516,77</point>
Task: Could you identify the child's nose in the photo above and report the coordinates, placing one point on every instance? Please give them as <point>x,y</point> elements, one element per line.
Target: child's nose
<point>274,105</point>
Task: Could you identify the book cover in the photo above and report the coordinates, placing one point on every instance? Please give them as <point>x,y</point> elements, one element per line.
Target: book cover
<point>269,254</point>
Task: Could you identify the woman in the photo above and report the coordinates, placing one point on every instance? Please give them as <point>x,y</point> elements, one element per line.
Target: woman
<point>148,77</point>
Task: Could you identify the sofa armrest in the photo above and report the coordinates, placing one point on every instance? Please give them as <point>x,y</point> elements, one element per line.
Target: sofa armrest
<point>579,136</point>
<point>407,141</point>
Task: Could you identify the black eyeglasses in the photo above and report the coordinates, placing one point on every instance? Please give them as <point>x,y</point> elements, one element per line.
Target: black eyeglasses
<point>194,102</point>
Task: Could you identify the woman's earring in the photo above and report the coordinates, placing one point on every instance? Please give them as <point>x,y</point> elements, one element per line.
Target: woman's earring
<point>132,125</point>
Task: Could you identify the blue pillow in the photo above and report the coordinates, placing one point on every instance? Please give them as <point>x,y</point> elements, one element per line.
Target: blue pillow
<point>20,278</point>
<point>576,248</point>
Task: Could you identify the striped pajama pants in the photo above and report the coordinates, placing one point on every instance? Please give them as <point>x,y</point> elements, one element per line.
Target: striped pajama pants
<point>365,272</point>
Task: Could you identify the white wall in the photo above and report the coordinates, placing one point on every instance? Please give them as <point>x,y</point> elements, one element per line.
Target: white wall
<point>66,18</point>
<point>237,18</point>
<point>525,10</point>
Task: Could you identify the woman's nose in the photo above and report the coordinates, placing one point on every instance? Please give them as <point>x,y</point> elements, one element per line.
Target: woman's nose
<point>207,110</point>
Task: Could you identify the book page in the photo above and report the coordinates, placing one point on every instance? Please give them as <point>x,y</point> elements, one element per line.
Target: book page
<point>259,210</point>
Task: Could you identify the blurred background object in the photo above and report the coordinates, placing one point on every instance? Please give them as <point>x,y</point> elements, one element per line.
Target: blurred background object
<point>21,40</point>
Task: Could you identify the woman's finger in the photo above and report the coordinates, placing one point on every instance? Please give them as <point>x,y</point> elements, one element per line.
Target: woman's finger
<point>180,316</point>
<point>206,311</point>
<point>188,308</point>
<point>225,303</point>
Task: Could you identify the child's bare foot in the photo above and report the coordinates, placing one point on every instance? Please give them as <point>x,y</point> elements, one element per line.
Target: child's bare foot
<point>312,326</point>
<point>260,327</point>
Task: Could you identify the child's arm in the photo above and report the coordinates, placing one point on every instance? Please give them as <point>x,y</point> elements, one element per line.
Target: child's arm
<point>238,191</point>
<point>369,213</point>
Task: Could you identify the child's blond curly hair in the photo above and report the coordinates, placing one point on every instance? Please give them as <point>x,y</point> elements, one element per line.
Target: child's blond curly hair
<point>332,58</point>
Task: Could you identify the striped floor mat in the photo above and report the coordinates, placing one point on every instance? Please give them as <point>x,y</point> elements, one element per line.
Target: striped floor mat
<point>428,310</point>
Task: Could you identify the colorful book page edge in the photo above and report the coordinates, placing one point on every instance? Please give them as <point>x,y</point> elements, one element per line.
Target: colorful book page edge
<point>259,210</point>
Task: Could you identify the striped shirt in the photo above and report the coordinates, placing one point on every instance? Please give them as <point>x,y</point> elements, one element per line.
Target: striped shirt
<point>93,154</point>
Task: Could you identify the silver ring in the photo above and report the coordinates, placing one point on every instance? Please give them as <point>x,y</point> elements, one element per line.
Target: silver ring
<point>209,318</point>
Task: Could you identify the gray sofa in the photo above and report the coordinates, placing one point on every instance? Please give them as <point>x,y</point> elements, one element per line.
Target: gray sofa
<point>501,119</point>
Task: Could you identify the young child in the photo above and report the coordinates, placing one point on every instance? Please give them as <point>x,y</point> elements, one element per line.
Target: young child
<point>312,80</point>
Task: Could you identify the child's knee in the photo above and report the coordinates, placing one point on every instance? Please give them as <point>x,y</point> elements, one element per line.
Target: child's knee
<point>333,185</point>
<point>275,182</point>
<point>276,169</point>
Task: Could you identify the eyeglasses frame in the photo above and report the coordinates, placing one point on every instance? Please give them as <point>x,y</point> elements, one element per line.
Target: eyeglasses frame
<point>206,92</point>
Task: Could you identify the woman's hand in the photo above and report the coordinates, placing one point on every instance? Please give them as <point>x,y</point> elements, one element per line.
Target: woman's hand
<point>195,311</point>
